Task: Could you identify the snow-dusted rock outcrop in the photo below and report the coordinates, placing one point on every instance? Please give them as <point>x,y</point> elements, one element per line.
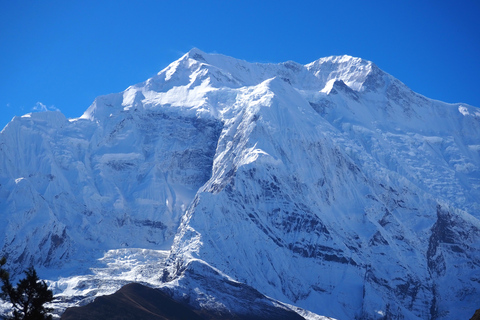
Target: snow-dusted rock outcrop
<point>329,186</point>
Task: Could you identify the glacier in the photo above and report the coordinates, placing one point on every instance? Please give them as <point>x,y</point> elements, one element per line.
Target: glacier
<point>329,187</point>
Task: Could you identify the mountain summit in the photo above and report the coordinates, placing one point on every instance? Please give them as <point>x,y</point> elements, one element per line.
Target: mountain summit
<point>330,187</point>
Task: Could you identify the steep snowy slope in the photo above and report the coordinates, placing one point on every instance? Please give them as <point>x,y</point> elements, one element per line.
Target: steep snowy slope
<point>78,188</point>
<point>329,186</point>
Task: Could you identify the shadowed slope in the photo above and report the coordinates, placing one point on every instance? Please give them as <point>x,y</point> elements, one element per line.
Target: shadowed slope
<point>136,301</point>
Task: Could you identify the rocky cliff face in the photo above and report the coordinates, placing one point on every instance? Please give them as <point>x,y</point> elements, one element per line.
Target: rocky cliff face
<point>329,186</point>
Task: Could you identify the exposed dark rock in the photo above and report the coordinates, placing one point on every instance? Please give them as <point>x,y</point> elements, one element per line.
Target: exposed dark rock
<point>476,315</point>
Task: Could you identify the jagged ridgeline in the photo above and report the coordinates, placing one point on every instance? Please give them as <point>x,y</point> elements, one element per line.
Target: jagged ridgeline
<point>329,186</point>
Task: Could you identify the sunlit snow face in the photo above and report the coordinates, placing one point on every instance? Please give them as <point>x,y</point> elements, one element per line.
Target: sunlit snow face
<point>469,112</point>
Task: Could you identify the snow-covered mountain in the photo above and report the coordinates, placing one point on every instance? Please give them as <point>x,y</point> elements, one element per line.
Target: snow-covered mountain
<point>329,186</point>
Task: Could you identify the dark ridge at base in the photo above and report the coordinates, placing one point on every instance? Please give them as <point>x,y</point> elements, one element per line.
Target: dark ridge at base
<point>133,301</point>
<point>136,301</point>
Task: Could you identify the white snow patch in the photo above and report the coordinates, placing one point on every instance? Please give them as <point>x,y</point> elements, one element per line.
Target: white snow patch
<point>464,110</point>
<point>17,181</point>
<point>328,86</point>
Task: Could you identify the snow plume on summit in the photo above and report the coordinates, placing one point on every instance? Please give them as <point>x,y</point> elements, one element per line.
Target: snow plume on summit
<point>329,187</point>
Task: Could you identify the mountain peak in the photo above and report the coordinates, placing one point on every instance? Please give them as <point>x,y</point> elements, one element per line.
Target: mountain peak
<point>351,70</point>
<point>342,59</point>
<point>196,54</point>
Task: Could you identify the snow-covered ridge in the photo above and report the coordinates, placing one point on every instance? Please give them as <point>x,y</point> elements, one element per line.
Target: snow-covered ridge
<point>189,81</point>
<point>334,180</point>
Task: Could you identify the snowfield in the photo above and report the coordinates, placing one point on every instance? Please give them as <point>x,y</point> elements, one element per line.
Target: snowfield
<point>329,187</point>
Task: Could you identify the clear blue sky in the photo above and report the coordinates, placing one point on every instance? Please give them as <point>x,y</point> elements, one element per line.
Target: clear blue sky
<point>63,54</point>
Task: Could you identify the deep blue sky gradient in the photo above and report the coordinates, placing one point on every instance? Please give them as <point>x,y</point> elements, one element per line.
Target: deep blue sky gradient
<point>63,54</point>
